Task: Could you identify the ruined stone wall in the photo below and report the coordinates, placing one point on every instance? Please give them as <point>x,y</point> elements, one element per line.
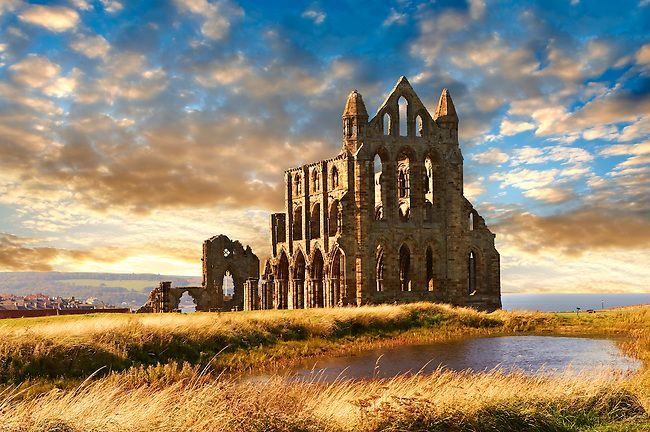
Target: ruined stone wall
<point>220,255</point>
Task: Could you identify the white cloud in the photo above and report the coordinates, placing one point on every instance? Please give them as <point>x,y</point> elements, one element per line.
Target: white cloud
<point>395,18</point>
<point>563,154</point>
<point>216,15</point>
<point>491,156</point>
<point>526,179</point>
<point>636,130</point>
<point>315,15</point>
<point>54,18</point>
<point>551,195</point>
<point>643,55</point>
<point>476,9</point>
<point>626,149</point>
<point>112,6</point>
<point>8,6</point>
<point>601,132</point>
<point>81,4</point>
<point>34,71</point>
<point>63,86</point>
<point>513,128</point>
<point>92,46</point>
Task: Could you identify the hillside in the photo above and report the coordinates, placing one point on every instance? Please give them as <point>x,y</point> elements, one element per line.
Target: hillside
<point>115,288</point>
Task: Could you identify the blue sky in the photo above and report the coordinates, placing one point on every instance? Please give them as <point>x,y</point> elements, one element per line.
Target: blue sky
<point>131,131</point>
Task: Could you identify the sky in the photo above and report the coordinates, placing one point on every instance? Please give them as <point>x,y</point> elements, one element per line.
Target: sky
<point>130,131</point>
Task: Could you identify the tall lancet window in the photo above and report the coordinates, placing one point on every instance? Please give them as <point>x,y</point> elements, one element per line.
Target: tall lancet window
<point>403,116</point>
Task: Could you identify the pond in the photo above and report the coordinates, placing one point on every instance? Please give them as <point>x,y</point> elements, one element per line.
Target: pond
<point>528,354</point>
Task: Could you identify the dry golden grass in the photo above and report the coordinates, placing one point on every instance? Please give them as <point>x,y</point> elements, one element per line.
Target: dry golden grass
<point>192,396</point>
<point>442,401</point>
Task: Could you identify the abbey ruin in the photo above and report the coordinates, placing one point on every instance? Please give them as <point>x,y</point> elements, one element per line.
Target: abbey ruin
<point>383,221</point>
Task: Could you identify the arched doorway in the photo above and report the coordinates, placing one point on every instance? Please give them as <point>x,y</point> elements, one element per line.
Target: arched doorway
<point>316,297</point>
<point>186,304</point>
<point>228,286</point>
<point>281,283</point>
<point>405,268</point>
<point>298,282</point>
<point>336,285</point>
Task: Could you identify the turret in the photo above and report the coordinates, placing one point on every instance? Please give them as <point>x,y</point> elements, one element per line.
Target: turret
<point>355,120</point>
<point>445,115</point>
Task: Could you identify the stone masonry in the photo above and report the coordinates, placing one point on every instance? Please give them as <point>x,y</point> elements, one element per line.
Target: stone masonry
<point>386,219</point>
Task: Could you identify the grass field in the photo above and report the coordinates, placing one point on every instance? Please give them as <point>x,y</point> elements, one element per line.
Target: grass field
<point>166,373</point>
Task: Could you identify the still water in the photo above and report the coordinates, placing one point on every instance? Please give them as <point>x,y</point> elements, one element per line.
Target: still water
<point>529,354</point>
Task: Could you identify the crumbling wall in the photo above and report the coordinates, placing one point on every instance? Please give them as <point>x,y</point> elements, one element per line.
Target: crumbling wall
<point>220,255</point>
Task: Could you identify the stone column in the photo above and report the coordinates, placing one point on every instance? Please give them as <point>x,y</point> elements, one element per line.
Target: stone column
<point>250,294</point>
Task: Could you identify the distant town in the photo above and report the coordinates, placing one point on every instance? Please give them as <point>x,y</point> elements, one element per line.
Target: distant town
<point>15,306</point>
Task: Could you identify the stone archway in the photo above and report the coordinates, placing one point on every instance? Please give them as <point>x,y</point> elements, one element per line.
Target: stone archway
<point>316,288</point>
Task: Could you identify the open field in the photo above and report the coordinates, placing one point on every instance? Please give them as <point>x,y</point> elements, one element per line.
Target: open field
<point>166,373</point>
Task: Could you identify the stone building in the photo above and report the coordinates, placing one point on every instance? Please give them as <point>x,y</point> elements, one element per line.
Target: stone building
<point>386,219</point>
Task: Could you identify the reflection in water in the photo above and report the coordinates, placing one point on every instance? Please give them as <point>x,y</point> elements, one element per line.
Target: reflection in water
<point>530,354</point>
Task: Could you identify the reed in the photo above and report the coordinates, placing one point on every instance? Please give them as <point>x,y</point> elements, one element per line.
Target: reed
<point>442,401</point>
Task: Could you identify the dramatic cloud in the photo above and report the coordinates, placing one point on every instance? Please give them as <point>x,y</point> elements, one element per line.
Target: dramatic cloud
<point>578,232</point>
<point>129,131</point>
